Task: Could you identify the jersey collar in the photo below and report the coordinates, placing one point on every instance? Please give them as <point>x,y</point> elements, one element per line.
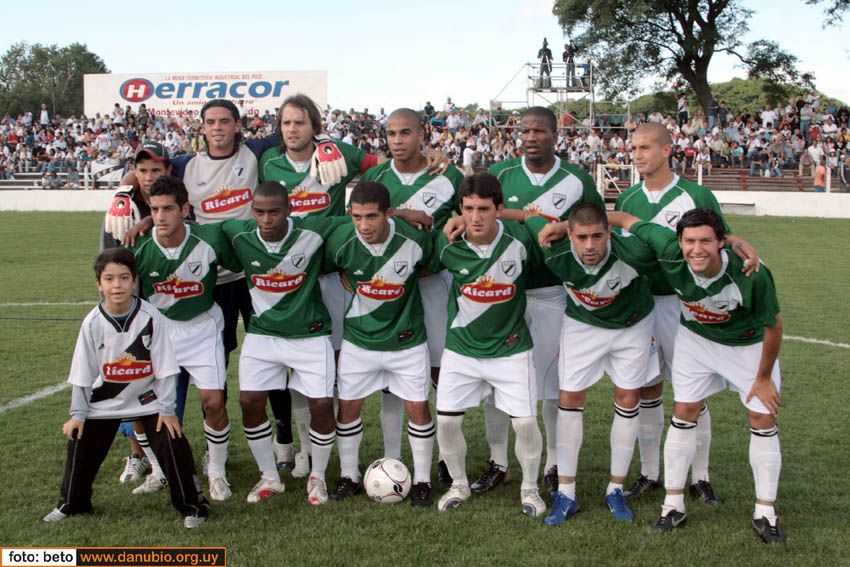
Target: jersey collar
<point>274,247</point>
<point>705,283</point>
<point>485,251</point>
<point>656,196</point>
<point>535,178</point>
<point>378,249</point>
<point>406,178</point>
<point>171,253</point>
<point>592,270</point>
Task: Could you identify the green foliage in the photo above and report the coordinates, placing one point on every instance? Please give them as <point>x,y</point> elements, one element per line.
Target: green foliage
<point>31,74</point>
<point>833,11</point>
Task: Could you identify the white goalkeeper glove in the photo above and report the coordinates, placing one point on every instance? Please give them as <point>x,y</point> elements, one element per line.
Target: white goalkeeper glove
<point>123,214</point>
<point>327,165</point>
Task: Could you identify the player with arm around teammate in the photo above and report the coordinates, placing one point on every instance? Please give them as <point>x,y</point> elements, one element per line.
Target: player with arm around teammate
<point>488,345</point>
<point>384,341</point>
<point>730,329</point>
<point>124,369</point>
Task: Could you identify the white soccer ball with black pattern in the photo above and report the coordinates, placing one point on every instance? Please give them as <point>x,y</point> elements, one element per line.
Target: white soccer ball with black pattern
<point>387,481</point>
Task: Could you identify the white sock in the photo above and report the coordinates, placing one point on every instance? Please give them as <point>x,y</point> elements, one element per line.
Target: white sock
<point>612,486</point>
<point>678,453</point>
<point>766,462</point>
<point>260,443</point>
<point>763,511</point>
<point>550,423</point>
<point>623,434</point>
<point>570,436</point>
<point>301,414</point>
<point>528,448</point>
<point>699,468</point>
<point>321,445</point>
<point>496,423</point>
<point>453,446</point>
<point>156,469</point>
<point>650,429</point>
<point>568,490</point>
<point>677,501</point>
<point>421,438</point>
<point>217,442</point>
<point>348,439</point>
<point>392,419</point>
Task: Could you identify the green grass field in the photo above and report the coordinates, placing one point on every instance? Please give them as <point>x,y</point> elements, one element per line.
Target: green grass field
<point>46,257</point>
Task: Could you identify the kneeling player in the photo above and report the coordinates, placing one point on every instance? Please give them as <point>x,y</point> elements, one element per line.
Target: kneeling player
<point>488,346</point>
<point>124,369</point>
<point>178,265</point>
<point>730,329</point>
<point>384,334</point>
<point>607,328</point>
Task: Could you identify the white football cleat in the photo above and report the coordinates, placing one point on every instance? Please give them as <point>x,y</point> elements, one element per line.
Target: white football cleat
<point>54,516</point>
<point>284,455</point>
<point>135,468</point>
<point>264,489</point>
<point>532,504</point>
<point>219,488</point>
<point>454,497</point>
<point>317,491</point>
<point>190,522</point>
<point>153,483</point>
<point>302,465</point>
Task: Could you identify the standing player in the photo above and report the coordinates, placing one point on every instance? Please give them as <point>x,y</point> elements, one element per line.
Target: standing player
<point>124,368</point>
<point>178,265</point>
<point>663,197</point>
<point>290,329</point>
<point>730,328</point>
<point>607,329</point>
<point>411,187</point>
<point>384,339</point>
<point>488,345</point>
<point>537,184</point>
<point>299,124</point>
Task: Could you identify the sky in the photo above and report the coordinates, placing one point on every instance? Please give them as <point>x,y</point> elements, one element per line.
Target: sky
<point>381,53</point>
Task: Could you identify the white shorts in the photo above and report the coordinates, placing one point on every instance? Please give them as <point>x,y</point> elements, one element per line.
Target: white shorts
<point>701,365</point>
<point>337,301</point>
<point>667,311</point>
<point>544,315</point>
<point>435,301</point>
<point>465,381</point>
<point>199,348</point>
<point>587,352</point>
<point>405,372</point>
<point>265,360</point>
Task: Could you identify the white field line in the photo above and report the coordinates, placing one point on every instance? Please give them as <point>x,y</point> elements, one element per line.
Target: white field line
<point>47,303</point>
<point>815,341</point>
<point>43,393</point>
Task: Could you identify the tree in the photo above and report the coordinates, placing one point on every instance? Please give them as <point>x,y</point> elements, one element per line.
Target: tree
<point>834,11</point>
<point>35,74</point>
<point>667,39</point>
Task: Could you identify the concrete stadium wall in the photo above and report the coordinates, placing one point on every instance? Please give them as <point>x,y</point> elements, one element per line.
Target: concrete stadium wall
<point>758,203</point>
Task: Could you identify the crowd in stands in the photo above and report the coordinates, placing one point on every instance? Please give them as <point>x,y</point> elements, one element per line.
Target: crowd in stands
<point>779,140</point>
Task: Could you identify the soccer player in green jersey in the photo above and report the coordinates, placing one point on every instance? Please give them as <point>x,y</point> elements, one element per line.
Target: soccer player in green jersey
<point>536,184</point>
<point>663,197</point>
<point>488,345</point>
<point>730,329</point>
<point>607,328</point>
<point>433,195</point>
<point>384,338</point>
<point>178,266</point>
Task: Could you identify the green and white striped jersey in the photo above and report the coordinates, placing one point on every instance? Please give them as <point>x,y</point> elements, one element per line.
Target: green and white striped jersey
<point>613,294</point>
<point>180,281</point>
<point>283,276</point>
<point>729,308</point>
<point>487,298</point>
<point>665,208</point>
<point>386,312</point>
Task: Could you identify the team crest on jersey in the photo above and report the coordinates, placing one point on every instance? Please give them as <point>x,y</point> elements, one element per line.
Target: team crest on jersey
<point>535,208</point>
<point>226,199</point>
<point>301,200</point>
<point>486,290</point>
<point>380,289</point>
<point>672,217</point>
<point>255,264</point>
<point>127,369</point>
<point>177,288</point>
<point>277,281</point>
<point>701,314</point>
<point>400,267</point>
<point>614,283</point>
<point>297,260</point>
<point>146,341</point>
<point>429,198</point>
<point>559,200</point>
<point>195,268</point>
<point>589,298</point>
<point>513,199</point>
<point>509,267</point>
<point>239,170</point>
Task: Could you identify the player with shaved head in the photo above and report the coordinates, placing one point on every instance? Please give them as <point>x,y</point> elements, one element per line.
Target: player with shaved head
<point>663,197</point>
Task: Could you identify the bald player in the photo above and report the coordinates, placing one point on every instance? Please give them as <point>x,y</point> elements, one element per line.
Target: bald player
<point>662,198</point>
